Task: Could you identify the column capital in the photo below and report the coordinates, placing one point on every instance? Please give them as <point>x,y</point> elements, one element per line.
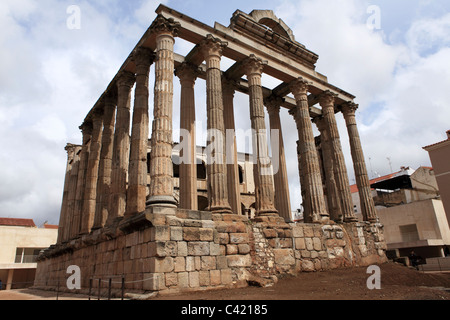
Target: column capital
<point>349,108</point>
<point>97,115</point>
<point>299,87</point>
<point>229,85</point>
<point>320,123</point>
<point>327,99</point>
<point>273,104</point>
<point>126,78</point>
<point>86,128</point>
<point>187,72</point>
<point>70,148</point>
<point>211,46</point>
<point>253,65</point>
<point>143,56</point>
<point>110,97</point>
<point>162,25</point>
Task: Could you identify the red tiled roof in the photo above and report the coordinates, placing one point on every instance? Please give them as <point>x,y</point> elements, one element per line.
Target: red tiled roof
<point>17,222</point>
<point>50,226</point>
<point>354,188</point>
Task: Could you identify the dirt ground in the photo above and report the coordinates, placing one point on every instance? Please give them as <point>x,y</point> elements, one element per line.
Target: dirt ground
<point>397,283</point>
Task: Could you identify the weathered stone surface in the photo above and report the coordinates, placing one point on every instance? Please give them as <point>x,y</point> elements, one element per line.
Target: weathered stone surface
<point>284,256</point>
<point>239,261</point>
<point>198,248</point>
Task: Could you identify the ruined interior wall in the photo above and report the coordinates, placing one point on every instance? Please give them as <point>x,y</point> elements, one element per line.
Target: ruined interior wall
<point>197,250</point>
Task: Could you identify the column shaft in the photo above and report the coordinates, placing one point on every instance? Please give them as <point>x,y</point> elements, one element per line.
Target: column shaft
<point>121,150</point>
<point>137,180</point>
<point>70,148</point>
<point>340,170</point>
<point>234,194</point>
<point>73,180</point>
<point>90,191</point>
<point>216,161</point>
<point>81,181</point>
<point>282,197</point>
<point>262,169</point>
<point>161,166</point>
<point>312,181</point>
<point>359,164</point>
<point>188,165</point>
<point>105,165</point>
<point>332,195</point>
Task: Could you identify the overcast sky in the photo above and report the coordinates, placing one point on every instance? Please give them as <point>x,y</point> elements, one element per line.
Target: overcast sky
<point>394,56</point>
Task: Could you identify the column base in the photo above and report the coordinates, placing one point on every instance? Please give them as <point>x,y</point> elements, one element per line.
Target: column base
<point>161,201</point>
<point>221,210</point>
<point>351,219</point>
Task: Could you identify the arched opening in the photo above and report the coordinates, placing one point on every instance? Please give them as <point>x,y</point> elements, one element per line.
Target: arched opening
<point>201,170</point>
<point>202,203</point>
<point>241,175</point>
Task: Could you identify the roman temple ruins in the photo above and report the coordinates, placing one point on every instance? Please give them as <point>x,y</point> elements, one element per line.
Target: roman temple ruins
<point>127,214</point>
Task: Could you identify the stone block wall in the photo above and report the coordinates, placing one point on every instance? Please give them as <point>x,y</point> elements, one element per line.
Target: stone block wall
<point>196,250</point>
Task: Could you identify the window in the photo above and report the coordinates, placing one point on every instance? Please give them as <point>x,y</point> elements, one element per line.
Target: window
<point>409,233</point>
<point>27,255</point>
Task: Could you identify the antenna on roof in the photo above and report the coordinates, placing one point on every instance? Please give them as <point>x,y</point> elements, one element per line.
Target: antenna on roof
<point>371,170</point>
<point>390,164</point>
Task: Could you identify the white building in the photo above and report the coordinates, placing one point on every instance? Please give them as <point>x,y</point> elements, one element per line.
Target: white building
<point>20,243</point>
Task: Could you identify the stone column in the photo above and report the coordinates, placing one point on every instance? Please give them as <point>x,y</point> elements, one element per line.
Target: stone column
<point>90,191</point>
<point>137,178</point>
<point>70,148</point>
<point>75,228</point>
<point>73,180</point>
<point>340,170</point>
<point>332,194</point>
<point>359,164</point>
<point>234,194</point>
<point>216,164</point>
<point>105,165</point>
<point>161,169</point>
<point>262,169</point>
<point>282,197</point>
<point>121,149</point>
<point>188,166</point>
<point>312,181</point>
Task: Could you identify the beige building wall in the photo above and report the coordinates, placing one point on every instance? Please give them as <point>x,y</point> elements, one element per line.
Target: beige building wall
<point>17,275</point>
<point>417,224</point>
<point>440,155</point>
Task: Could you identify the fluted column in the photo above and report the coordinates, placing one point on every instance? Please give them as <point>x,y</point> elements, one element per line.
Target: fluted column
<point>332,194</point>
<point>71,195</point>
<point>90,191</point>
<point>234,194</point>
<point>137,178</point>
<point>188,166</point>
<point>282,197</point>
<point>121,150</point>
<point>359,164</point>
<point>312,182</point>
<point>70,148</point>
<point>86,129</point>
<point>105,165</point>
<point>161,169</point>
<point>262,169</point>
<point>340,169</point>
<point>216,162</point>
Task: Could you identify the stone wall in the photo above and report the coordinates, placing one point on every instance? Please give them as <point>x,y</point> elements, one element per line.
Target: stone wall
<point>195,250</point>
